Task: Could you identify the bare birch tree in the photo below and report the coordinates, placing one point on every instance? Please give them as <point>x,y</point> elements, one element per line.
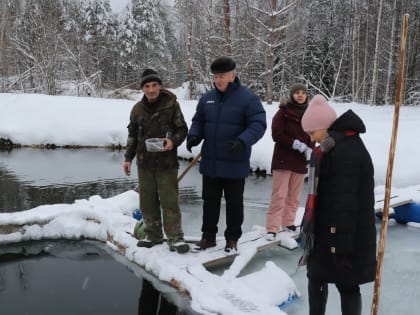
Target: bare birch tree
<point>391,53</point>
<point>3,24</point>
<point>269,37</point>
<point>376,55</point>
<point>226,14</point>
<point>355,51</point>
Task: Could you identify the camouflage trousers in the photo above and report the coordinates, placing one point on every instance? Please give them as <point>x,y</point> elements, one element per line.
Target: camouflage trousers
<point>159,190</point>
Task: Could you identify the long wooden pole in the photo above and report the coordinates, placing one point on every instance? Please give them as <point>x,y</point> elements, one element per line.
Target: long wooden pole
<point>399,93</point>
<point>197,157</point>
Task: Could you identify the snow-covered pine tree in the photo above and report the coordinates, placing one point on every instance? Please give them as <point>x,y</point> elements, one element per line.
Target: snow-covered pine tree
<point>151,47</point>
<point>129,35</point>
<point>99,34</point>
<point>36,44</point>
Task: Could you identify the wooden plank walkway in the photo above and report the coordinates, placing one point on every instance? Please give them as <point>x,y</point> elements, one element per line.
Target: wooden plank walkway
<point>394,201</point>
<point>252,248</point>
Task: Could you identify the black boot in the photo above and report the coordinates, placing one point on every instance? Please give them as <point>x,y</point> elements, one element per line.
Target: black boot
<point>318,295</point>
<point>351,304</point>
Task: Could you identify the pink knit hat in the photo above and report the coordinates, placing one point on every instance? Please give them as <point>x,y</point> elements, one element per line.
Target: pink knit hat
<point>319,115</point>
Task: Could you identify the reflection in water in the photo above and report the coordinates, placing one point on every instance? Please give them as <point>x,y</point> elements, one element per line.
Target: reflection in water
<point>70,277</point>
<point>29,177</point>
<point>16,196</point>
<point>33,177</point>
<point>152,302</point>
<point>189,195</point>
<point>64,278</point>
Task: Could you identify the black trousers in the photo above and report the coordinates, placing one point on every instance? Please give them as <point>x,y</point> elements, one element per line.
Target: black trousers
<point>351,299</point>
<point>233,190</point>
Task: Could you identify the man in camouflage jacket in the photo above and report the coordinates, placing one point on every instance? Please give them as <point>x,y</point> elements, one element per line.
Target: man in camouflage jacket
<point>157,115</point>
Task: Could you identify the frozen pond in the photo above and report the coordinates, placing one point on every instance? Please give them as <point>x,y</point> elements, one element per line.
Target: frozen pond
<point>29,178</point>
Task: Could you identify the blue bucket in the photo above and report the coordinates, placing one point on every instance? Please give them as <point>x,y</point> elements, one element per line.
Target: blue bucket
<point>407,213</point>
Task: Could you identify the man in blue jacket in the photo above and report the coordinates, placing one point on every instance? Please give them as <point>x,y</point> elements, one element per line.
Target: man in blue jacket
<point>230,119</point>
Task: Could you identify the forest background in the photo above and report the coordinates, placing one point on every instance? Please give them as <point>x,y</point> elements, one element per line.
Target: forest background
<point>345,49</point>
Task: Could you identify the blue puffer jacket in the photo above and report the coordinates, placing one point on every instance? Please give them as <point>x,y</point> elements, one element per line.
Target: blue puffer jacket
<point>221,117</point>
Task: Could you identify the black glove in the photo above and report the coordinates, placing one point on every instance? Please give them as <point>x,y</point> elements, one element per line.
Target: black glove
<point>236,146</point>
<point>192,142</point>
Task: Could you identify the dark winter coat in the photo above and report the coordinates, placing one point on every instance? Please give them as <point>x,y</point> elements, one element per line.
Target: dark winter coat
<point>285,128</point>
<point>155,120</point>
<point>344,250</point>
<point>236,114</point>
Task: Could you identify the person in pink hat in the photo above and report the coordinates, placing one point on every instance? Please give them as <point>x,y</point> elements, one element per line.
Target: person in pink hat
<point>338,232</point>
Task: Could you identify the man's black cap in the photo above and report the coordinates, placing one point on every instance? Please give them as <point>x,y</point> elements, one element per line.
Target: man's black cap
<point>222,65</point>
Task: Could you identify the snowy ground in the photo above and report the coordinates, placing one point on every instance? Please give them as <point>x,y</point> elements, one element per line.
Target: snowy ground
<point>40,119</point>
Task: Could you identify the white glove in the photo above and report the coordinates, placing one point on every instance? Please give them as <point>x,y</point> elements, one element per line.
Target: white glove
<point>299,146</point>
<point>308,154</point>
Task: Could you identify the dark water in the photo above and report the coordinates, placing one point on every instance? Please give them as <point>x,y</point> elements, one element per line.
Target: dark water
<point>68,277</point>
<point>29,178</point>
<point>64,277</point>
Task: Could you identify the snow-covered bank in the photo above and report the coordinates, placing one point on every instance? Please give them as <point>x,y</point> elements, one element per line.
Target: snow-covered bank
<point>30,119</point>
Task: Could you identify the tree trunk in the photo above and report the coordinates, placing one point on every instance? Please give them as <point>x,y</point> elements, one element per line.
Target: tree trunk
<point>190,62</point>
<point>226,11</point>
<point>391,54</point>
<point>376,56</point>
<point>355,53</point>
<point>365,60</point>
<point>270,54</point>
<point>3,24</point>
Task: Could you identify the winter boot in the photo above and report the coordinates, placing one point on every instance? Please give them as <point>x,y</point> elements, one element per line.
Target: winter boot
<point>148,243</point>
<point>231,246</point>
<point>270,236</point>
<point>180,247</point>
<point>291,228</point>
<point>203,244</point>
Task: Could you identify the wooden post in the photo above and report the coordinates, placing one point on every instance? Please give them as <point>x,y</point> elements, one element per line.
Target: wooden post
<point>399,93</point>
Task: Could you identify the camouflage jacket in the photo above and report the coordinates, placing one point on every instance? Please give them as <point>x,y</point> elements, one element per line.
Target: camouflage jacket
<point>161,119</point>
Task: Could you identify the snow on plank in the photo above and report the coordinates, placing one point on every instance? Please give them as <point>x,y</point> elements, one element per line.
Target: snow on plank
<point>394,201</point>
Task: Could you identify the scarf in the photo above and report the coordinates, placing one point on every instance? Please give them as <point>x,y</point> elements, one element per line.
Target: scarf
<point>307,226</point>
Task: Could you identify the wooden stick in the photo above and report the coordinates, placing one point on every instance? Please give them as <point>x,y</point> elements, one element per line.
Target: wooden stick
<point>197,157</point>
<point>399,93</point>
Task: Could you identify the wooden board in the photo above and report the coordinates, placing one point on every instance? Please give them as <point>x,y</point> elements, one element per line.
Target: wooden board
<point>226,258</point>
<point>394,201</point>
<point>258,245</point>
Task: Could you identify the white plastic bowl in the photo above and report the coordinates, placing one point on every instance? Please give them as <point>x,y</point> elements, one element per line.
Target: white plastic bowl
<point>155,144</point>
